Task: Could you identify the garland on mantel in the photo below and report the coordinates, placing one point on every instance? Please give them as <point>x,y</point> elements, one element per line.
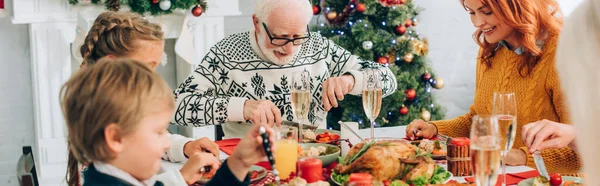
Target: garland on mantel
<point>152,7</point>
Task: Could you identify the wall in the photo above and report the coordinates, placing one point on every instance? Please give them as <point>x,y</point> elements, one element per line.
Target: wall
<point>16,105</point>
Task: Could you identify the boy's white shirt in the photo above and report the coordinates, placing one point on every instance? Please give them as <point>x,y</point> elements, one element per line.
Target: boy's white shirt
<point>175,152</point>
<point>167,178</point>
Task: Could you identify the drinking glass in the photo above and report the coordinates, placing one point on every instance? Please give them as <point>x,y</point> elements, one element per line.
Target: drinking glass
<point>485,149</point>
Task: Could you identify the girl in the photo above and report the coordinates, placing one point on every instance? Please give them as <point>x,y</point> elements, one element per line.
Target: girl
<point>518,43</point>
<point>117,113</point>
<point>122,34</point>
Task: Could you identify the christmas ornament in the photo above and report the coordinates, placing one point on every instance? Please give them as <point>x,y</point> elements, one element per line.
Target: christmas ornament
<point>154,1</point>
<point>331,15</point>
<point>415,22</point>
<point>425,115</point>
<point>400,29</point>
<point>316,10</point>
<point>408,23</point>
<point>388,3</point>
<point>411,94</point>
<point>197,11</point>
<point>360,7</point>
<point>403,110</point>
<point>426,76</point>
<point>408,57</point>
<point>402,38</point>
<point>165,4</point>
<point>367,45</point>
<point>391,56</point>
<point>439,83</point>
<point>382,60</point>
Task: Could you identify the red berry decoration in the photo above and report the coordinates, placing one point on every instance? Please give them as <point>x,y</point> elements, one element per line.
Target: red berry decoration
<point>360,7</point>
<point>197,11</point>
<point>382,60</point>
<point>411,94</point>
<point>403,110</point>
<point>154,1</point>
<point>555,179</point>
<point>426,76</point>
<point>400,29</point>
<point>408,23</point>
<point>316,10</point>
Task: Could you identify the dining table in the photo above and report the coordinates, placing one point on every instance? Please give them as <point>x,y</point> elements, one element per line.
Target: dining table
<point>394,132</point>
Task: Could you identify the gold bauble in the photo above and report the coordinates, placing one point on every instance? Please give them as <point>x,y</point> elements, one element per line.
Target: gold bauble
<point>331,15</point>
<point>425,115</point>
<point>439,83</point>
<point>408,57</point>
<point>402,38</point>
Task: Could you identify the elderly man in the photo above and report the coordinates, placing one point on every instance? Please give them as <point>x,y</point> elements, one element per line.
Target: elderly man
<point>246,76</point>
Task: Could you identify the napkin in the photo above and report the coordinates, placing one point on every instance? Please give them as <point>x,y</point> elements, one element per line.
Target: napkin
<point>511,178</point>
<point>228,145</point>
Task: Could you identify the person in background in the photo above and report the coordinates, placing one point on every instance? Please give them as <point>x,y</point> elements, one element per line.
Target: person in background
<point>246,78</point>
<point>128,35</point>
<point>518,42</point>
<point>117,113</point>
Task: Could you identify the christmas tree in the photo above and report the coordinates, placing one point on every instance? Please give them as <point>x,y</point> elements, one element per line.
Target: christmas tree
<point>383,31</point>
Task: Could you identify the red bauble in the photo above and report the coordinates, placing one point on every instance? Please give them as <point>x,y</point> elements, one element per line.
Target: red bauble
<point>400,29</point>
<point>197,11</point>
<point>382,60</point>
<point>403,110</point>
<point>401,2</point>
<point>316,9</point>
<point>426,76</point>
<point>361,7</point>
<point>411,94</point>
<point>154,1</point>
<point>408,23</point>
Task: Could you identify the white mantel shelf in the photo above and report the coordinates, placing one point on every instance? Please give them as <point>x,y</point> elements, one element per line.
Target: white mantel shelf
<point>52,30</point>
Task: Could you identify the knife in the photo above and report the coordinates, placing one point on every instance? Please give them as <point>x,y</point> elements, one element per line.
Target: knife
<point>539,163</point>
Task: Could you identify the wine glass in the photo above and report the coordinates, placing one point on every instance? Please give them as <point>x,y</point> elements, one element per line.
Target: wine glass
<point>505,109</point>
<point>485,149</point>
<point>371,96</point>
<point>300,91</point>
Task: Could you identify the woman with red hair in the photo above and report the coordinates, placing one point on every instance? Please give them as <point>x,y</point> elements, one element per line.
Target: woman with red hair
<point>518,40</point>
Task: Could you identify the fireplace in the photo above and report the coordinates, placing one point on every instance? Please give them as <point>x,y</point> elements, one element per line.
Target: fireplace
<point>52,29</point>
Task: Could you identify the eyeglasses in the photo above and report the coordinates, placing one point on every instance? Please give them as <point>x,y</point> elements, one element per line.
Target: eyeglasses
<point>285,41</point>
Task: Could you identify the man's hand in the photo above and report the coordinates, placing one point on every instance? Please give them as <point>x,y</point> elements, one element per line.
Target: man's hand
<point>262,112</point>
<point>201,145</point>
<point>335,88</point>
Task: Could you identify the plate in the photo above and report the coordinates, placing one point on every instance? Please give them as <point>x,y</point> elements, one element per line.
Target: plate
<point>260,176</point>
<point>529,182</point>
<point>447,180</point>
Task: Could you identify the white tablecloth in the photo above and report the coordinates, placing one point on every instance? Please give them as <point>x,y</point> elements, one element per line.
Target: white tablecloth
<point>396,132</point>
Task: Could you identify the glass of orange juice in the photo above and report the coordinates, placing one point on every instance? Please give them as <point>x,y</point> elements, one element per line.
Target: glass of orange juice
<point>286,151</point>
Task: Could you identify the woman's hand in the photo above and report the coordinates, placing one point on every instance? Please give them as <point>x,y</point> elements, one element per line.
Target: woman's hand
<point>420,129</point>
<point>546,134</point>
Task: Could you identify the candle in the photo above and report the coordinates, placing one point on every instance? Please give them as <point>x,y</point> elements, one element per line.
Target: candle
<point>310,169</point>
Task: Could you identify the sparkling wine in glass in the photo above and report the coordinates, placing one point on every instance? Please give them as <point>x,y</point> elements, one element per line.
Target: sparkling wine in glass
<point>485,149</point>
<point>300,91</point>
<point>505,109</point>
<point>371,96</point>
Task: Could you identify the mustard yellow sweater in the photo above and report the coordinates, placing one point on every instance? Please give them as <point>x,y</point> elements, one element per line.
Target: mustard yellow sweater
<point>538,96</point>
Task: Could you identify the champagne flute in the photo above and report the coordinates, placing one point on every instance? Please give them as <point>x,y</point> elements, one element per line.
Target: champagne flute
<point>300,91</point>
<point>485,149</point>
<point>505,109</point>
<point>371,96</point>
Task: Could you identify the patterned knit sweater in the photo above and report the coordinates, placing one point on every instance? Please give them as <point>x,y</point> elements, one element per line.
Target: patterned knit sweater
<point>538,96</point>
<point>234,70</point>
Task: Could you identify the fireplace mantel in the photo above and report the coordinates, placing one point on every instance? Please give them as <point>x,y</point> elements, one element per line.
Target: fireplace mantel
<point>52,30</point>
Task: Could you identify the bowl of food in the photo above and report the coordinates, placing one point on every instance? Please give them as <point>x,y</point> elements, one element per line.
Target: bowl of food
<point>325,152</point>
<point>321,136</point>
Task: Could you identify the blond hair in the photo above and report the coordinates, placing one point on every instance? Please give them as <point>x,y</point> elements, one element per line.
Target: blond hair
<point>116,33</point>
<point>577,64</point>
<point>117,92</point>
